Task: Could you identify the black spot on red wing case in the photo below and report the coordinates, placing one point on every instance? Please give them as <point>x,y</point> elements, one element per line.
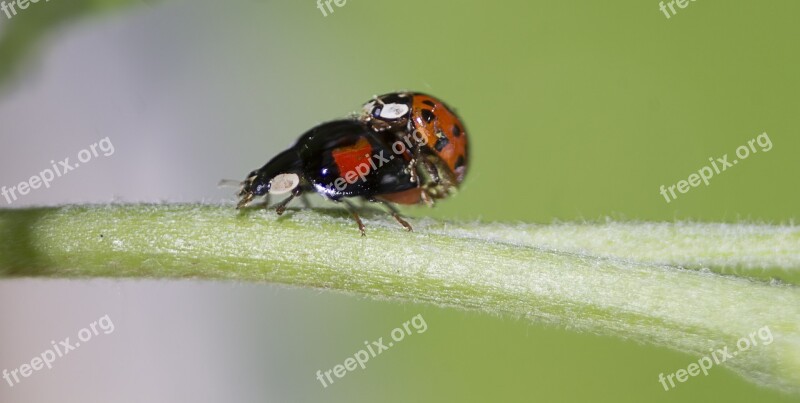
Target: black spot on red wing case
<point>460,161</point>
<point>428,115</point>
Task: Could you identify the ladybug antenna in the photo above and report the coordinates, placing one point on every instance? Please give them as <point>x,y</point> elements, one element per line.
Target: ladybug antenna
<point>229,183</point>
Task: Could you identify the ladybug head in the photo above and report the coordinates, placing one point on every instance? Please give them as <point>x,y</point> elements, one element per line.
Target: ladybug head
<point>257,184</point>
<point>280,175</point>
<point>253,186</point>
<point>389,111</point>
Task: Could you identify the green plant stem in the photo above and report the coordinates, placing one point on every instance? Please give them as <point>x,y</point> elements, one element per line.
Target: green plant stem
<point>519,272</point>
<point>764,252</point>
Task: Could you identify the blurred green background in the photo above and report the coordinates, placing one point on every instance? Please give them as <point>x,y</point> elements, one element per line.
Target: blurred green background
<point>576,110</point>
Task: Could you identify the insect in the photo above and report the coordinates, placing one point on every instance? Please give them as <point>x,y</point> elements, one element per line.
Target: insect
<point>402,148</point>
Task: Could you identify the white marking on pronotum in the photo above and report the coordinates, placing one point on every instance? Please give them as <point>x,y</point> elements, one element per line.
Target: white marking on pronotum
<point>394,111</point>
<point>283,183</point>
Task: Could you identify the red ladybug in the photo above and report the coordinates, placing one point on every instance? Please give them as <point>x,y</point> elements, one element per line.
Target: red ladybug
<point>443,154</point>
<point>404,148</point>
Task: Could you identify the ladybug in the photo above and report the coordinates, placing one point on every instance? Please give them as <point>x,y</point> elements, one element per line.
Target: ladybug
<point>402,148</point>
<point>440,157</point>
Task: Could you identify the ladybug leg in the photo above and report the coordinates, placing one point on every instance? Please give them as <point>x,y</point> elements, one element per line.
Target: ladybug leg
<point>412,170</point>
<point>352,209</point>
<point>244,201</point>
<point>427,198</point>
<point>416,157</point>
<point>439,181</point>
<point>431,171</point>
<point>395,213</point>
<point>264,204</point>
<point>304,199</point>
<point>281,207</point>
<point>418,162</point>
<point>426,174</point>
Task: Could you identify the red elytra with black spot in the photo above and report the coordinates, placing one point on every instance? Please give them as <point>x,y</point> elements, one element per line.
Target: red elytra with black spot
<point>444,132</point>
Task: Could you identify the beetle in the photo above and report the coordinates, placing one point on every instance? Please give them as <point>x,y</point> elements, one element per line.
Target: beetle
<point>441,158</point>
<point>402,148</point>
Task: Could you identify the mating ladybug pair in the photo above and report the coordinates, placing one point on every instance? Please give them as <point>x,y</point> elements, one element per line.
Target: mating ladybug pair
<point>404,148</point>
